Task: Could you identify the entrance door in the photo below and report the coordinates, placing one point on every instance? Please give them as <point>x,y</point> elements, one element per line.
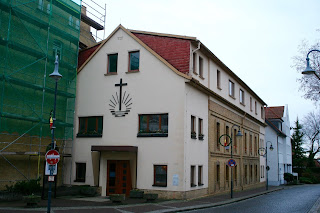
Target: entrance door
<point>118,177</point>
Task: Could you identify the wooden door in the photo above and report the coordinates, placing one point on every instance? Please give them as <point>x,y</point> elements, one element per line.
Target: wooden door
<point>118,177</point>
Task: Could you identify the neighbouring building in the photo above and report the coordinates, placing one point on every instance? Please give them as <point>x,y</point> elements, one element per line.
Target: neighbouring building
<point>278,134</point>
<point>32,33</point>
<point>146,115</point>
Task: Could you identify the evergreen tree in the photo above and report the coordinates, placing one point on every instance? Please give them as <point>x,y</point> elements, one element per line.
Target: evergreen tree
<point>298,157</point>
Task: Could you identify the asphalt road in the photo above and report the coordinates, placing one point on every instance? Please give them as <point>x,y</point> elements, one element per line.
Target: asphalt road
<point>292,200</point>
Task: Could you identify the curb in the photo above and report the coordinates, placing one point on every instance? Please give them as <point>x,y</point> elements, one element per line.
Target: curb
<point>316,207</point>
<point>204,206</point>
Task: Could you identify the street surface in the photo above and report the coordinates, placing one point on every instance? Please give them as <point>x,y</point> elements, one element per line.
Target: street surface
<point>298,199</point>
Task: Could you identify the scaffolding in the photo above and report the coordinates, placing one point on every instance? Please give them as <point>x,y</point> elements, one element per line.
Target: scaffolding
<point>32,33</point>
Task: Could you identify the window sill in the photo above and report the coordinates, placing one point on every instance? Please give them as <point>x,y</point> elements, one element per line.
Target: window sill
<point>201,77</point>
<point>242,104</point>
<point>133,71</point>
<point>201,138</point>
<point>219,88</point>
<point>110,73</point>
<point>193,185</point>
<point>89,136</point>
<point>200,184</point>
<point>193,137</point>
<point>232,97</point>
<point>152,135</point>
<point>157,185</point>
<point>80,181</point>
<point>195,73</point>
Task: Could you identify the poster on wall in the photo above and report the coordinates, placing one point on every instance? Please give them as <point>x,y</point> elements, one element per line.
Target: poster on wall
<point>175,180</point>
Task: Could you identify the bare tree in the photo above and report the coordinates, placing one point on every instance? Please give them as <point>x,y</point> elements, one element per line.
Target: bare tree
<point>310,85</point>
<point>311,130</point>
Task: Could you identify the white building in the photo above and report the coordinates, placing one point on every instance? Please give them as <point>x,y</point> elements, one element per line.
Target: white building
<point>278,134</point>
<point>142,115</point>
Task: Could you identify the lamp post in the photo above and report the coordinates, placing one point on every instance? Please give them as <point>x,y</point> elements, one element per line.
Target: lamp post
<point>309,70</point>
<point>56,76</point>
<point>267,167</point>
<point>239,134</point>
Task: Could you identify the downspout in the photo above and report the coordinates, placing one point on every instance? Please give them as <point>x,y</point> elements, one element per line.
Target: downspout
<point>193,51</point>
<point>278,155</point>
<point>241,156</point>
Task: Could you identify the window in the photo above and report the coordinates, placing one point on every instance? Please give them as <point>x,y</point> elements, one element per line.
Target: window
<point>48,8</point>
<point>255,107</point>
<point>70,21</point>
<point>218,174</point>
<point>160,175</point>
<point>153,125</point>
<point>40,5</point>
<point>201,67</point>
<point>231,88</point>
<point>256,173</point>
<point>200,181</point>
<point>227,139</point>
<point>234,140</point>
<point>134,58</point>
<point>80,172</point>
<point>255,145</point>
<point>112,63</point>
<point>90,126</point>
<point>251,174</point>
<point>251,104</point>
<point>193,127</point>
<point>246,174</point>
<point>245,143</point>
<point>200,131</point>
<point>262,112</point>
<point>227,173</point>
<point>77,24</point>
<point>192,176</point>
<point>218,135</point>
<point>194,66</point>
<point>218,79</point>
<point>235,174</point>
<point>241,96</point>
<point>57,49</point>
<point>250,144</point>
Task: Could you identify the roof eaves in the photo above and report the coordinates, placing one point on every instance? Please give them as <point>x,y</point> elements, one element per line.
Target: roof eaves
<point>195,83</point>
<point>280,133</point>
<point>228,70</point>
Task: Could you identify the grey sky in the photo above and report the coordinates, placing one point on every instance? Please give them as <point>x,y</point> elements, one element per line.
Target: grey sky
<point>255,39</point>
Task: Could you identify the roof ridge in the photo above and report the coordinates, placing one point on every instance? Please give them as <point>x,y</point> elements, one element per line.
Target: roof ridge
<point>164,34</point>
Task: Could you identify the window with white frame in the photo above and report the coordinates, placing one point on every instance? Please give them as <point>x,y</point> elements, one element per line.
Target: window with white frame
<point>251,104</point>
<point>200,67</point>
<point>231,88</point>
<point>200,176</point>
<point>241,94</point>
<point>218,79</point>
<point>192,176</point>
<point>194,65</point>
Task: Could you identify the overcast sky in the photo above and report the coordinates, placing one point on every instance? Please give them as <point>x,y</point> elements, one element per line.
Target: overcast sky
<point>255,39</point>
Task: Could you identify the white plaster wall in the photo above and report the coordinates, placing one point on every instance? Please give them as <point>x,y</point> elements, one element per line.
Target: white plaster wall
<point>196,150</point>
<point>155,89</point>
<point>272,157</point>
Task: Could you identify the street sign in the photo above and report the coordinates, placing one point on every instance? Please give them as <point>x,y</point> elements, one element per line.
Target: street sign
<point>51,178</point>
<point>52,157</point>
<point>231,162</point>
<point>47,169</point>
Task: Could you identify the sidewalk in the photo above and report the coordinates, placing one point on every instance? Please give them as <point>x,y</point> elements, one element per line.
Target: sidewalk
<point>102,204</point>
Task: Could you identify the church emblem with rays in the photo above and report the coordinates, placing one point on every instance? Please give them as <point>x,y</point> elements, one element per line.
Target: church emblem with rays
<point>120,104</point>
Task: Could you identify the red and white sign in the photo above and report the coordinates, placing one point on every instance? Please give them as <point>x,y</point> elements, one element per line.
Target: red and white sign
<point>52,157</point>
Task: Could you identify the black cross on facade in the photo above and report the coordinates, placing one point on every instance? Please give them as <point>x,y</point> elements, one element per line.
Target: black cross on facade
<point>120,85</point>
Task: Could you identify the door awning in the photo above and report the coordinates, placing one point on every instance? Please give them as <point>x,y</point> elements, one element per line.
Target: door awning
<point>115,148</point>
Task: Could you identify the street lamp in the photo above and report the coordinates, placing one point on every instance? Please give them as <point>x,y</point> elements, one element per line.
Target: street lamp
<point>239,134</point>
<point>267,167</point>
<point>309,70</point>
<point>56,76</point>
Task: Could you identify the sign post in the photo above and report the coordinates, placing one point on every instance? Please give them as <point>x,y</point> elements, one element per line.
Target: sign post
<point>52,158</point>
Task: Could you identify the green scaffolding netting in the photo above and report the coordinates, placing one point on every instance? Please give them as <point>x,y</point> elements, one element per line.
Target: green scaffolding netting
<point>32,33</point>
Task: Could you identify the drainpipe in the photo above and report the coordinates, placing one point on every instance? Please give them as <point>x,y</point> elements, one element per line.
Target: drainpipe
<point>193,51</point>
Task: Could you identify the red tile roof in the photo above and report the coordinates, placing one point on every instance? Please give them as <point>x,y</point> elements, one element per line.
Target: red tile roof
<point>274,112</point>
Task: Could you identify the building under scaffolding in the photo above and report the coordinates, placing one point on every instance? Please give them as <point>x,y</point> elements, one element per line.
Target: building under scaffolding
<point>32,33</point>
